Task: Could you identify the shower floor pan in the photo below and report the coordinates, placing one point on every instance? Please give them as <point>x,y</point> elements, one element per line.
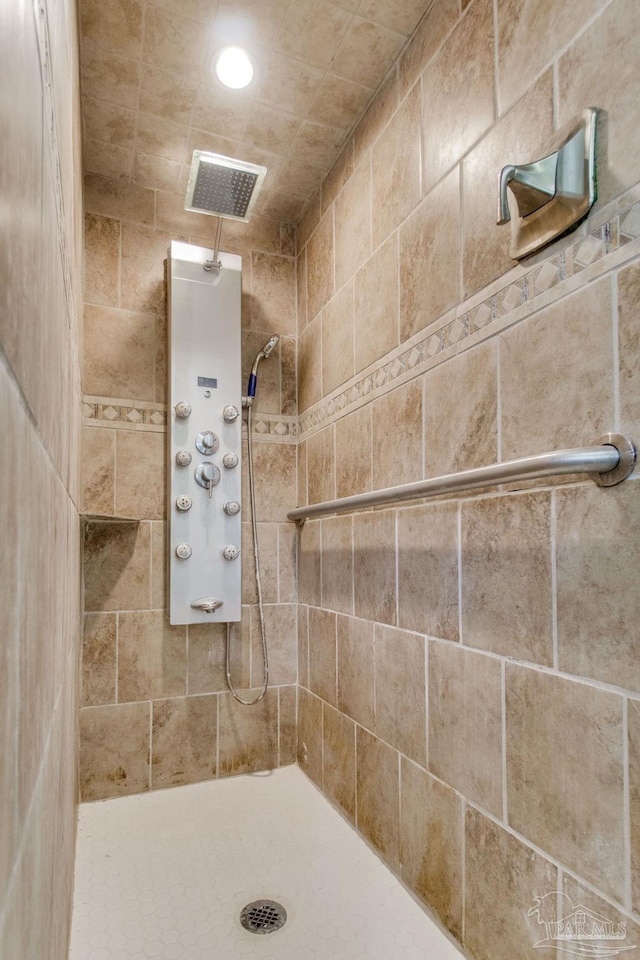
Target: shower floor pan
<point>166,875</point>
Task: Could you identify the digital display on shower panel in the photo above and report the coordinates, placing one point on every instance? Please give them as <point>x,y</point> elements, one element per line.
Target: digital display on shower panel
<point>204,431</point>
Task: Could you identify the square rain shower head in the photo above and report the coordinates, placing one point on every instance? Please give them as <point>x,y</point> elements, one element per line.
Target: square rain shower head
<point>222,186</point>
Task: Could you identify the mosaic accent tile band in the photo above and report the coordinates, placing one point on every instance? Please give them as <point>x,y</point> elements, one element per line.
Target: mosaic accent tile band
<point>127,415</point>
<point>274,427</point>
<point>116,414</point>
<point>599,247</point>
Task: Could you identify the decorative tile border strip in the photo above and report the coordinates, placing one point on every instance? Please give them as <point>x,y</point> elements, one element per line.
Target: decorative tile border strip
<point>116,413</point>
<point>598,249</point>
<point>131,414</point>
<point>272,427</point>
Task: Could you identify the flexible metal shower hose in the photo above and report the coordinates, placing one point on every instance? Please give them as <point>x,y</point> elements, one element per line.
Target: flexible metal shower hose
<point>256,555</point>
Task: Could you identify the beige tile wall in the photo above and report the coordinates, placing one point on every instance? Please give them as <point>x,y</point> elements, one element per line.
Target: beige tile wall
<point>155,707</point>
<point>483,649</point>
<point>40,280</point>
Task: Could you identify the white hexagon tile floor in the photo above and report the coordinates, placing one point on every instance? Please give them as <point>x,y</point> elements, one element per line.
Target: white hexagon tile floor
<point>166,874</point>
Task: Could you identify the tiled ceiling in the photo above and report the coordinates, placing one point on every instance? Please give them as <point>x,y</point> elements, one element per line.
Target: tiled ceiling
<point>150,99</point>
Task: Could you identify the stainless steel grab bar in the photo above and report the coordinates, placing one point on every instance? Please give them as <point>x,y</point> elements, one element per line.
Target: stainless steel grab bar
<point>608,463</point>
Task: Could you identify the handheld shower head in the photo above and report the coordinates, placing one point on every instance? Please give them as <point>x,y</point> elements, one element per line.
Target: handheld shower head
<point>266,351</point>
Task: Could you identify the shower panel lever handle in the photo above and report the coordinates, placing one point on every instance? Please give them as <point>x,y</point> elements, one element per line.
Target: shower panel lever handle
<point>208,476</point>
<point>207,604</point>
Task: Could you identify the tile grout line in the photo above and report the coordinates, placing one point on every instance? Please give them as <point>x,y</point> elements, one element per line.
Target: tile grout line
<point>426,701</point>
<point>459,570</point>
<point>374,665</point>
<point>615,346</point>
<point>461,233</point>
<point>321,565</point>
<point>119,283</point>
<point>353,566</point>
<point>396,560</point>
<point>555,91</point>
<point>499,399</point>
<point>335,657</point>
<point>250,630</point>
<point>278,572</point>
<point>541,668</point>
<point>322,708</point>
<point>117,666</point>
<point>559,893</point>
<point>278,720</point>
<point>496,72</point>
<point>308,649</point>
<point>356,816</point>
<point>334,266</point>
<point>463,879</point>
<point>396,233</point>
<point>217,696</point>
<point>554,579</point>
<point>626,828</point>
<point>115,476</point>
<point>150,774</point>
<point>187,672</point>
<point>371,214</point>
<point>503,726</point>
<point>546,856</point>
<point>399,813</point>
<point>529,844</point>
<point>419,83</point>
<point>423,426</point>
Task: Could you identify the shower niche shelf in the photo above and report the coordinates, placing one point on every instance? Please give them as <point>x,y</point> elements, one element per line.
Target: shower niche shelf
<point>107,518</point>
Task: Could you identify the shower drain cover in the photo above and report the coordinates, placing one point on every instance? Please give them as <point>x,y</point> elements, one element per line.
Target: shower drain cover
<point>263,916</point>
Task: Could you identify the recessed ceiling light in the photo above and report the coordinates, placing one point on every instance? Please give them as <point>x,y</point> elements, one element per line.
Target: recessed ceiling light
<point>234,68</point>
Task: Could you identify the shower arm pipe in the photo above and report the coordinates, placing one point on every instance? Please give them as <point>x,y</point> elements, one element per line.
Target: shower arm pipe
<point>214,263</point>
<point>608,463</point>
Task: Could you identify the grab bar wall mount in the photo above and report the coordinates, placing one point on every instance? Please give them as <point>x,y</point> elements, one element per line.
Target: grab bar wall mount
<point>608,463</point>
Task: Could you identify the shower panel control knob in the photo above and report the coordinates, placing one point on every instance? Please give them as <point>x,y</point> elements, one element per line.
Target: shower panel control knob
<point>231,552</point>
<point>184,503</point>
<point>183,409</point>
<point>208,476</point>
<point>207,442</point>
<point>231,508</point>
<point>183,458</point>
<point>230,413</point>
<point>230,460</point>
<point>183,551</point>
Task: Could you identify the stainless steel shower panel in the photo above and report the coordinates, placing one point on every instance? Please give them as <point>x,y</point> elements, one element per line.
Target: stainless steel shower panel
<point>204,383</point>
